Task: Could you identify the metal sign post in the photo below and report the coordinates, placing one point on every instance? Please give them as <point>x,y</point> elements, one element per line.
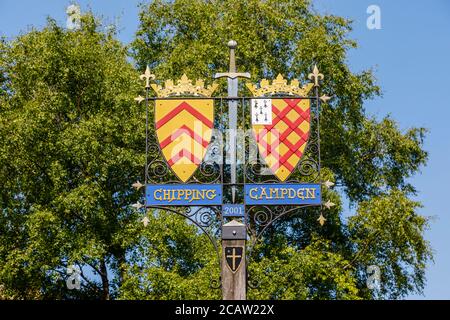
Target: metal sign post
<point>181,176</point>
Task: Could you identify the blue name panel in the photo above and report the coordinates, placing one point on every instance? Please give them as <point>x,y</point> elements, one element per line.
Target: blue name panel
<point>277,193</point>
<point>183,194</point>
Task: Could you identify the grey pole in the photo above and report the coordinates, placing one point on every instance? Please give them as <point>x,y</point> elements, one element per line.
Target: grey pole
<point>232,76</point>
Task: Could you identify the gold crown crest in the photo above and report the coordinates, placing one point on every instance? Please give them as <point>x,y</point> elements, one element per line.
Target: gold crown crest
<point>279,85</point>
<point>184,86</point>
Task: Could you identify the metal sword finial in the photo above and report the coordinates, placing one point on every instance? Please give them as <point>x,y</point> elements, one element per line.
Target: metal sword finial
<point>232,71</point>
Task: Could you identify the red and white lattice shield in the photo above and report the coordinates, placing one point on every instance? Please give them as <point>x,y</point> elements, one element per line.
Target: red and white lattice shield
<point>282,143</point>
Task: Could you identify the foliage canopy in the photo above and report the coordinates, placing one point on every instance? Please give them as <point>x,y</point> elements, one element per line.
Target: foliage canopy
<point>71,144</point>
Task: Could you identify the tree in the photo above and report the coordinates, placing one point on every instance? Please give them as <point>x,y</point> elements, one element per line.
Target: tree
<point>371,160</point>
<point>72,142</point>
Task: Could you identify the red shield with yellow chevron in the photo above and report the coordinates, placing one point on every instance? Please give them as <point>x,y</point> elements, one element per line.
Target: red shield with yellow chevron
<point>282,143</point>
<point>184,130</point>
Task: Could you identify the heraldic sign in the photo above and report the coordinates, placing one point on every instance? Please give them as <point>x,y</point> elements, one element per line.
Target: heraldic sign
<point>234,256</point>
<point>253,157</point>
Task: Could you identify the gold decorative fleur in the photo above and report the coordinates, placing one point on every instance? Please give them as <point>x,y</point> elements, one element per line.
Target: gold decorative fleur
<point>137,205</point>
<point>321,219</point>
<point>139,99</point>
<point>325,98</point>
<point>147,76</point>
<point>329,204</point>
<point>315,76</point>
<point>137,185</point>
<point>145,221</point>
<point>328,184</point>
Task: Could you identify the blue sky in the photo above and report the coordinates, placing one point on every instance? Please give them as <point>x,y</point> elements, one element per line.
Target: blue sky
<point>409,55</point>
